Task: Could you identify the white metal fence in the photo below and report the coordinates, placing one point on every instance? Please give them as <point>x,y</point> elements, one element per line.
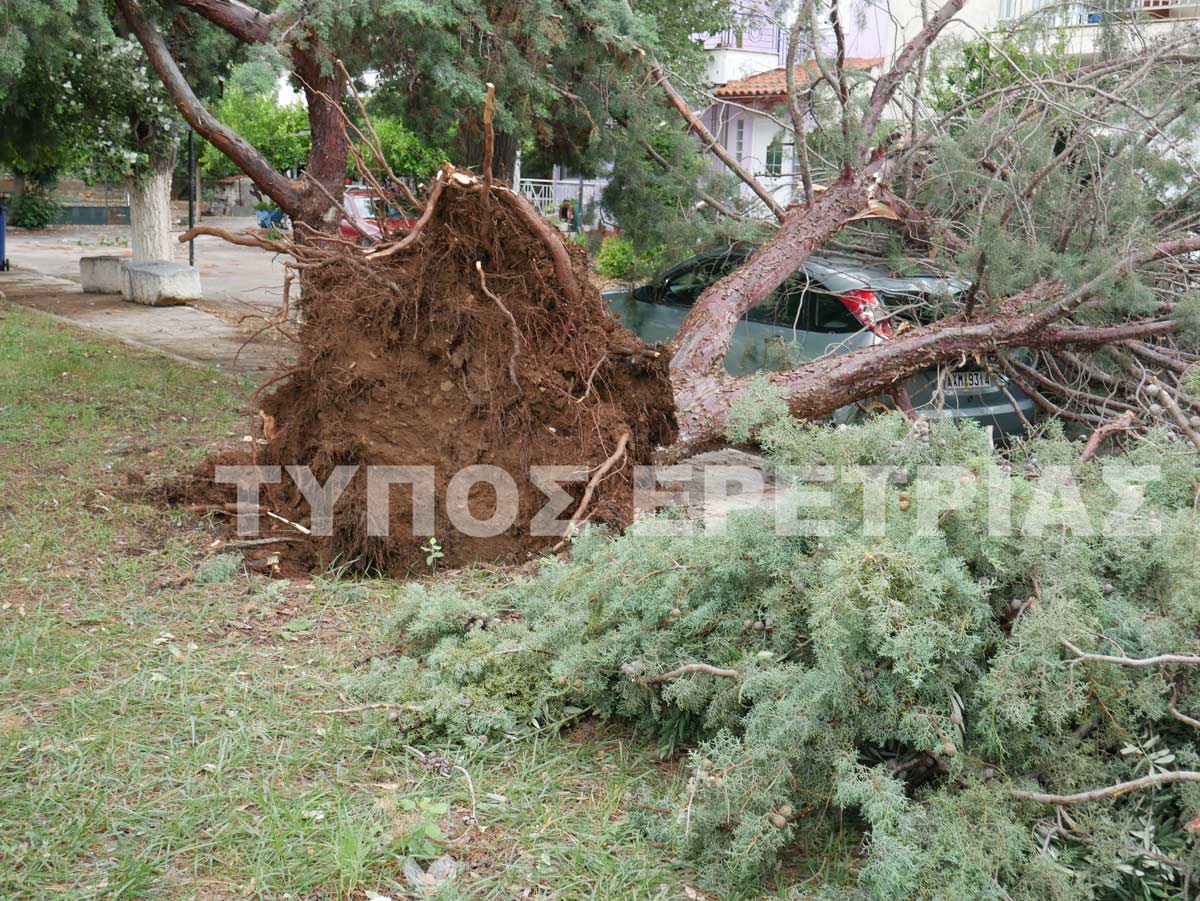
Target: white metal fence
<point>548,195</point>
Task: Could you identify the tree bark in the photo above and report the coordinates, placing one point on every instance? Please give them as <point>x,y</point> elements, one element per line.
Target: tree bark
<point>150,209</point>
<point>706,332</point>
<point>469,144</point>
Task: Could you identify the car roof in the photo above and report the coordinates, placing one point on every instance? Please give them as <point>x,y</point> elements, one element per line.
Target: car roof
<point>840,273</point>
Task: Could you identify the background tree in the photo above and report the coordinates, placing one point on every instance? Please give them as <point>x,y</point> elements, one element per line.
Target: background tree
<point>553,77</point>
<point>76,95</point>
<point>1000,188</point>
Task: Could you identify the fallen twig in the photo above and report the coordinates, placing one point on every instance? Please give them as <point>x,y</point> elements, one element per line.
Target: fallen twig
<point>1120,424</point>
<point>361,708</point>
<point>443,766</point>
<point>1185,659</point>
<point>1111,791</point>
<point>687,668</point>
<point>256,542</point>
<point>295,525</point>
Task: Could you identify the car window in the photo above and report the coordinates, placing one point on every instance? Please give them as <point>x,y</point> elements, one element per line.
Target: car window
<point>828,314</point>
<point>686,285</point>
<point>799,305</point>
<point>360,205</point>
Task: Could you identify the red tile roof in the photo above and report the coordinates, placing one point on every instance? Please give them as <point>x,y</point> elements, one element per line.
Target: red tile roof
<point>773,82</point>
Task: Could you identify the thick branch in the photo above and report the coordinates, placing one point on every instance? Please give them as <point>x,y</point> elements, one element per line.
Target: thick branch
<point>245,156</point>
<point>705,334</point>
<point>890,81</point>
<point>243,22</point>
<point>711,142</point>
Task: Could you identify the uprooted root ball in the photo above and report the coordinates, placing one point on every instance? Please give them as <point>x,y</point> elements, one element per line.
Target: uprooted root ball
<point>414,358</point>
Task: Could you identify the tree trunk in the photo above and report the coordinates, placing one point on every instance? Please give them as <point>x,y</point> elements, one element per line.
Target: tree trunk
<point>150,209</point>
<point>468,147</point>
<point>326,171</point>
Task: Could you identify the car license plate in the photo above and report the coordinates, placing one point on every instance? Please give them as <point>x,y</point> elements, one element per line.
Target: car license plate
<point>969,380</point>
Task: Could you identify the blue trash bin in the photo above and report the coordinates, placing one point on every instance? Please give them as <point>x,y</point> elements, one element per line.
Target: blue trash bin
<point>3,230</point>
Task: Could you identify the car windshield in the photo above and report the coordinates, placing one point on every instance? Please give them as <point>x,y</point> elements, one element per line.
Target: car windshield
<point>366,206</point>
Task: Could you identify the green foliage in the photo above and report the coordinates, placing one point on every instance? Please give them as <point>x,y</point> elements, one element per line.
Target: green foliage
<point>280,132</point>
<point>34,207</point>
<point>910,679</point>
<point>422,836</point>
<point>760,404</point>
<point>221,568</point>
<point>616,257</point>
<point>407,154</point>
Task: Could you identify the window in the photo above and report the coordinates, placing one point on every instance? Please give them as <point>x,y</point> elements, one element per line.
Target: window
<point>686,283</point>
<point>739,140</point>
<point>796,306</point>
<point>775,157</point>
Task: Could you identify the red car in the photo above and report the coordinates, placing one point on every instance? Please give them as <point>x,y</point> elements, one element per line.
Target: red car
<point>366,207</point>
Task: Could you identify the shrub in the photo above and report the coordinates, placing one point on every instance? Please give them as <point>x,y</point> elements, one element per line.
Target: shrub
<point>616,257</point>
<point>34,207</point>
<point>911,680</point>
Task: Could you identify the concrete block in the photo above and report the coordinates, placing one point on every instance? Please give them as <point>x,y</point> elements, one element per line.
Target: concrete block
<point>157,283</point>
<point>102,275</point>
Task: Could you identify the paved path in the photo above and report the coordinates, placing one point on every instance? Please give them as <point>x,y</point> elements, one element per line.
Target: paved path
<point>237,282</point>
<point>183,332</point>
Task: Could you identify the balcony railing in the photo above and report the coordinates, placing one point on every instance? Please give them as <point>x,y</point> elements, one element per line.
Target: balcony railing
<point>1057,13</point>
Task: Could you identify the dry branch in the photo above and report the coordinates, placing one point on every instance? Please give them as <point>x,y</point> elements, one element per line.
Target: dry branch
<point>1160,660</point>
<point>1112,791</point>
<point>1120,424</point>
<point>361,708</point>
<point>710,140</point>
<point>1163,396</point>
<point>687,668</point>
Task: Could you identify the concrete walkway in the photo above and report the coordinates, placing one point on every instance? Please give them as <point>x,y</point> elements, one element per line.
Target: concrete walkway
<point>238,282</point>
<point>183,332</point>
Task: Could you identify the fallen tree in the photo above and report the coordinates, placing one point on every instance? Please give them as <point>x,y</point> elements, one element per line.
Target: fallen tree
<point>1066,193</point>
<point>937,711</point>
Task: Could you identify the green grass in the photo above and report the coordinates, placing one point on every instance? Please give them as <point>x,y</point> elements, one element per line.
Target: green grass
<point>157,734</point>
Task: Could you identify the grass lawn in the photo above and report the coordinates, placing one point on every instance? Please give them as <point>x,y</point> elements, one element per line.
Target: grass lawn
<point>157,729</point>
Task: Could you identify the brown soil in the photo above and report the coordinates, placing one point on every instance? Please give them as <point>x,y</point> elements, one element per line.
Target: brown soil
<point>406,361</point>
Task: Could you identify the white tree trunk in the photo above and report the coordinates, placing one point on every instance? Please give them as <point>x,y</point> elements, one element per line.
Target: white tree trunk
<point>150,210</point>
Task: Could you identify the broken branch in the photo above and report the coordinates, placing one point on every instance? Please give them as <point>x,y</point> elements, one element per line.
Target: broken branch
<point>687,668</point>
<point>1120,424</point>
<point>1112,791</point>
<point>1184,659</point>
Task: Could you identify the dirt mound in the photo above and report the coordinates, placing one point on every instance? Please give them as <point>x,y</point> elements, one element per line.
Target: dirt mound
<point>478,341</point>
